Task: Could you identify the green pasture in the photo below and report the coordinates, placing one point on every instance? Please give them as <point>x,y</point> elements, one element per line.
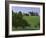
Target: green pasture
<point>33,21</point>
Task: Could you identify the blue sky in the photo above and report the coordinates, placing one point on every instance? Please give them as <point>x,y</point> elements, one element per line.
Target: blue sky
<point>25,9</point>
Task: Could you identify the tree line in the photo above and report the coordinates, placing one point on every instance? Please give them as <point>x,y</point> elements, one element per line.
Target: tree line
<point>29,13</point>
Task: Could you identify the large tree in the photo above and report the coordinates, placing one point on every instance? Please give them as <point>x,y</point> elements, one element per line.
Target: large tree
<point>18,20</point>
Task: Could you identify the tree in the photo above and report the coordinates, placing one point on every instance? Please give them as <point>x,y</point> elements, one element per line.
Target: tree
<point>18,21</point>
<point>32,13</point>
<point>20,14</point>
<point>37,14</point>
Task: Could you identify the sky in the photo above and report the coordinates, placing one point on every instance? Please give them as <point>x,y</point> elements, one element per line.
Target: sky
<point>26,9</point>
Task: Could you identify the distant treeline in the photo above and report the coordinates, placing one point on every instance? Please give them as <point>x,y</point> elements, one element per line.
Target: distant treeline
<point>29,13</point>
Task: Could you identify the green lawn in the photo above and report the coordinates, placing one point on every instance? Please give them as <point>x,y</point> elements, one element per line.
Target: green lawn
<point>33,21</point>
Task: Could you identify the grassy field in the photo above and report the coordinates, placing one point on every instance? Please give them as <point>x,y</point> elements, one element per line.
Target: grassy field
<point>33,21</point>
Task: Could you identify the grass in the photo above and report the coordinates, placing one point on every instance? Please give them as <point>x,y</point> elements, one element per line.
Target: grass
<point>32,20</point>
